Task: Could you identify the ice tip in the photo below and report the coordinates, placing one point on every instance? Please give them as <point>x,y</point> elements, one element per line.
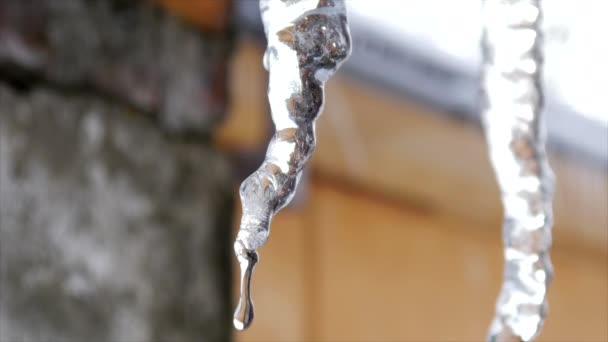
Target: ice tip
<point>238,325</point>
<point>242,322</point>
<point>244,313</point>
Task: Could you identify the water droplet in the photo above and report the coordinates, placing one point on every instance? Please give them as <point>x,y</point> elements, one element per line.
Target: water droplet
<point>244,313</point>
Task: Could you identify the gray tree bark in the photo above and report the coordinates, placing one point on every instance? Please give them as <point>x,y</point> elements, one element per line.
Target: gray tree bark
<point>114,210</point>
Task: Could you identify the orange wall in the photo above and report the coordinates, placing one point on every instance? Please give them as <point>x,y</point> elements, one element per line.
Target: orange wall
<point>345,266</point>
<point>369,255</point>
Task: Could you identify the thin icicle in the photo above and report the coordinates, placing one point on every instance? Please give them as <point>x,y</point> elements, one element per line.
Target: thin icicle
<point>307,42</point>
<point>515,134</point>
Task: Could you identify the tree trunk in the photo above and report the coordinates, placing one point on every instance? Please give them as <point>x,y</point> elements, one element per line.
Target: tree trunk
<point>114,209</point>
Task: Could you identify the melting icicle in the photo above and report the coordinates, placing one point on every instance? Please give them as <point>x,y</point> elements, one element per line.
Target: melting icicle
<point>516,140</point>
<point>307,42</point>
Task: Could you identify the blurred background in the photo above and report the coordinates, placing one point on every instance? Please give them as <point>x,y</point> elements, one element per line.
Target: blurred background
<point>127,125</point>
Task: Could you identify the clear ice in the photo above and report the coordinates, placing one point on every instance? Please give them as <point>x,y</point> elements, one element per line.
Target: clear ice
<point>307,41</point>
<point>512,105</point>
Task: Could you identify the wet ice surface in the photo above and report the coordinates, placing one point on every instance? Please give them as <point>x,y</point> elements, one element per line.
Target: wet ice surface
<point>307,41</point>
<point>512,105</point>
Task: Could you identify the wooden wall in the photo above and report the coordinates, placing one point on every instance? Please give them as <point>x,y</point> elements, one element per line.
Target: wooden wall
<point>397,235</point>
<point>347,266</point>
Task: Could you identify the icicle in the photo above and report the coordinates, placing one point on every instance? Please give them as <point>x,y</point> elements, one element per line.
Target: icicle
<point>516,138</point>
<point>307,42</point>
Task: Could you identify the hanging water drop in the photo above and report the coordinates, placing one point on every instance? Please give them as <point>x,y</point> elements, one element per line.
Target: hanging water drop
<point>243,315</point>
